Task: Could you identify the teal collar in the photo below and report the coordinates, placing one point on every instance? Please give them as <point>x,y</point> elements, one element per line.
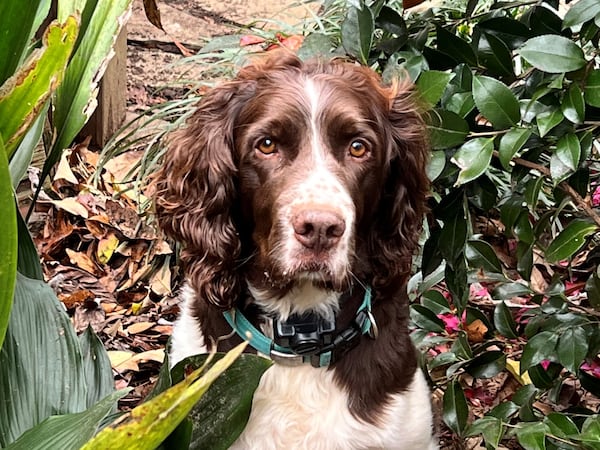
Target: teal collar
<point>363,323</point>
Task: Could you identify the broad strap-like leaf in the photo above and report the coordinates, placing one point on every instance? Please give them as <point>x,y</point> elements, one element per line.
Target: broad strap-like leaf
<point>147,425</point>
<point>75,100</point>
<point>96,367</point>
<point>40,360</point>
<point>553,54</point>
<point>23,95</point>
<point>8,243</point>
<point>70,431</point>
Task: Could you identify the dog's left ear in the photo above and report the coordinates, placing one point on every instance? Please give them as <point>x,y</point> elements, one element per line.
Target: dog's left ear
<point>403,202</point>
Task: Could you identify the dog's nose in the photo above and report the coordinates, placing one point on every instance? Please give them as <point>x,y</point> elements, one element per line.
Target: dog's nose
<point>318,230</point>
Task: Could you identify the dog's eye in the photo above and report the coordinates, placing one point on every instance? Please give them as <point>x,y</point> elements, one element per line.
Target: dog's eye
<point>266,146</point>
<point>358,149</point>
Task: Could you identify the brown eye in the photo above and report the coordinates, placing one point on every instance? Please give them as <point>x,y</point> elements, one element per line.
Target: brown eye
<point>266,146</point>
<point>358,149</point>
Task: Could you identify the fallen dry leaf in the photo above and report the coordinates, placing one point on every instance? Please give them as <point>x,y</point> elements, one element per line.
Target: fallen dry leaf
<point>122,361</point>
<point>139,327</point>
<point>476,331</point>
<point>71,205</point>
<point>82,261</point>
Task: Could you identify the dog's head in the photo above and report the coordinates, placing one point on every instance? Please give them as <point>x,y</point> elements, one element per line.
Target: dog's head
<point>296,173</point>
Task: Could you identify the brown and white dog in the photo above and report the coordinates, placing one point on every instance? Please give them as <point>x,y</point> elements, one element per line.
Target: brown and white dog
<point>295,189</point>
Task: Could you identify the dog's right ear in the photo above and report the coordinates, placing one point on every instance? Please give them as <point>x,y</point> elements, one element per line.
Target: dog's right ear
<point>196,194</point>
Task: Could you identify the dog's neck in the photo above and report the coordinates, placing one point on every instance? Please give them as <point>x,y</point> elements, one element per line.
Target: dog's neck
<point>302,298</point>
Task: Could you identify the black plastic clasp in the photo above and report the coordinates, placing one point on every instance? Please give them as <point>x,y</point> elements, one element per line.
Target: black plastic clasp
<point>304,334</point>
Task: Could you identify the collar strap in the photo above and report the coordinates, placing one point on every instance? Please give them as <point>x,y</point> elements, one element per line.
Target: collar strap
<point>363,323</point>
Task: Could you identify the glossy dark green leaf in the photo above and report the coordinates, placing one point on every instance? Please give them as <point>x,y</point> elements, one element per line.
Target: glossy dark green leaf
<point>523,229</point>
<point>456,281</point>
<point>592,288</point>
<point>509,290</point>
<point>543,21</point>
<point>559,171</point>
<point>481,255</point>
<point>473,158</point>
<point>569,240</point>
<point>443,359</point>
<point>511,143</point>
<point>461,347</point>
<point>511,210</point>
<point>435,301</point>
<point>453,46</point>
<point>580,12</point>
<point>436,164</point>
<point>590,430</point>
<point>553,54</point>
<point>487,365</point>
<point>453,238</point>
<point>446,129</point>
<point>504,321</point>
<point>568,150</point>
<point>560,425</point>
<point>532,436</point>
<point>431,85</point>
<point>504,411</point>
<point>460,103</point>
<point>573,104</point>
<point>491,428</point>
<point>482,193</point>
<point>493,54</point>
<point>357,33</point>
<point>543,378</point>
<point>547,120</point>
<point>592,88</point>
<point>426,319</point>
<point>508,30</point>
<point>455,410</point>
<point>496,102</point>
<point>540,347</point>
<point>572,348</point>
<point>389,20</point>
<point>525,259</point>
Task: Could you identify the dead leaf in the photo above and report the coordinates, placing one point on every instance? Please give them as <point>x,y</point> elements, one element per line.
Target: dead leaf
<point>82,261</point>
<point>63,170</point>
<point>106,248</point>
<point>76,298</point>
<point>153,13</point>
<point>71,205</point>
<point>123,361</point>
<point>160,281</point>
<point>139,327</point>
<point>476,331</point>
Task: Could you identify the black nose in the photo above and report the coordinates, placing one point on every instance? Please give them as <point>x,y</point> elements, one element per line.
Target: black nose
<point>318,230</point>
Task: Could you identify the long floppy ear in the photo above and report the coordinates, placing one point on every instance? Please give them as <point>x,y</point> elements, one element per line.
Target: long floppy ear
<point>196,194</point>
<point>403,203</point>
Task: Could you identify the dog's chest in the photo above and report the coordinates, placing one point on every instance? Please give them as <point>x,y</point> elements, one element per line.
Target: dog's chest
<point>303,408</point>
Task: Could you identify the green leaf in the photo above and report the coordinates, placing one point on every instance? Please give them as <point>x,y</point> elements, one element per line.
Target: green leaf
<point>487,365</point>
<point>481,255</point>
<point>231,406</point>
<point>504,321</point>
<point>511,143</point>
<point>592,88</point>
<point>460,103</point>
<point>446,129</point>
<point>491,428</point>
<point>431,85</point>
<point>436,164</point>
<point>572,348</point>
<point>67,432</point>
<point>581,12</point>
<point>75,99</point>
<point>19,21</point>
<point>314,45</point>
<point>495,55</point>
<point>147,425</point>
<point>456,280</point>
<point>357,33</point>
<point>435,301</point>
<point>28,261</point>
<point>496,102</point>
<point>592,288</point>
<point>568,150</point>
<point>548,120</point>
<point>539,348</point>
<point>532,436</point>
<point>8,243</point>
<point>453,237</point>
<point>426,319</point>
<point>590,431</point>
<point>552,53</point>
<point>560,425</point>
<point>23,95</point>
<point>41,360</point>
<point>96,367</point>
<point>573,105</point>
<point>455,47</point>
<point>455,410</point>
<point>473,158</point>
<point>569,240</point>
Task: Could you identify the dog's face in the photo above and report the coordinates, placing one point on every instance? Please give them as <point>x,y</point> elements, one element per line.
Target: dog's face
<point>296,173</point>
<point>311,153</point>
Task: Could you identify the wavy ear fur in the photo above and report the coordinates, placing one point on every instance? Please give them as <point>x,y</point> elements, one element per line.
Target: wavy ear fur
<point>196,194</point>
<point>403,203</point>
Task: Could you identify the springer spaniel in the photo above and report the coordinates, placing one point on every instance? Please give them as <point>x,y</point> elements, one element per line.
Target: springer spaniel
<point>298,190</point>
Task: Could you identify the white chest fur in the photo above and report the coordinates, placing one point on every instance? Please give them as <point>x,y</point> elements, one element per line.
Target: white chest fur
<point>303,408</point>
